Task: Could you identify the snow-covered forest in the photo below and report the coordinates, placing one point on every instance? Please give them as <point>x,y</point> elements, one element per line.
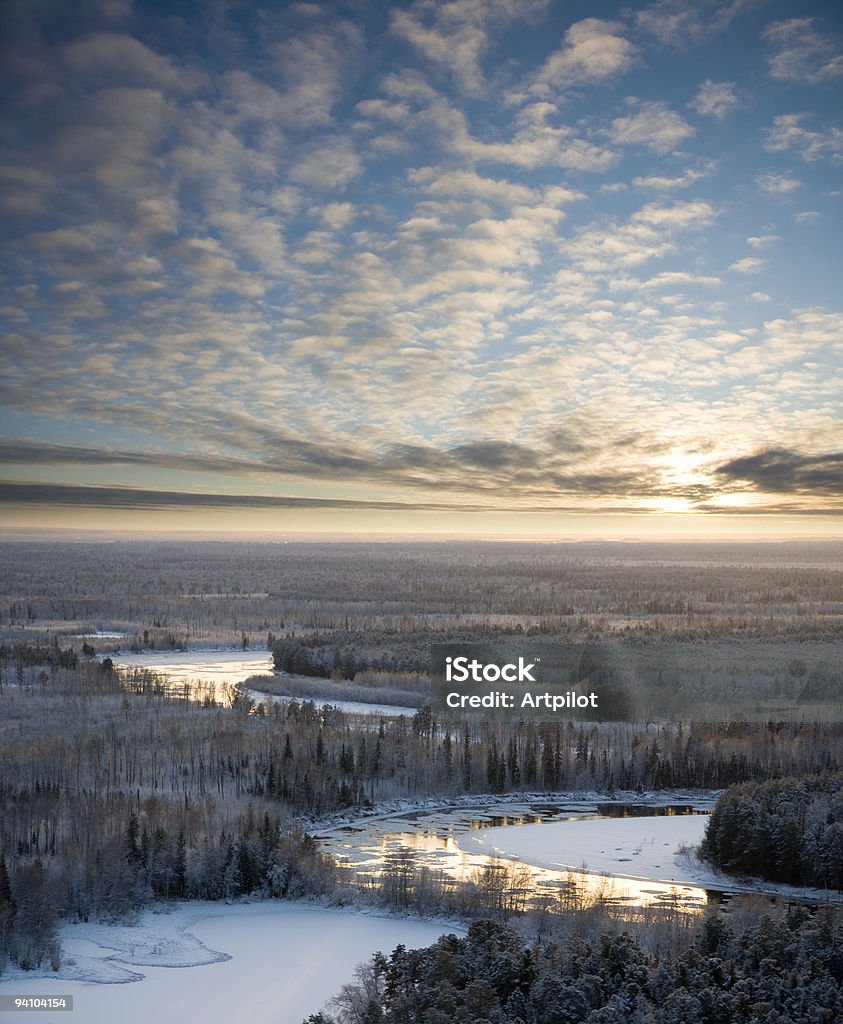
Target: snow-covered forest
<point>787,830</point>
<point>789,969</point>
<point>118,790</point>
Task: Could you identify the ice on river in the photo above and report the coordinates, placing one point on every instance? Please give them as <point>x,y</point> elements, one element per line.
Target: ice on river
<point>642,848</point>
<point>207,666</point>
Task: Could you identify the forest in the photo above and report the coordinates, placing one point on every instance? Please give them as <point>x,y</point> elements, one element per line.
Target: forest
<point>788,969</point>
<point>784,829</point>
<point>117,791</point>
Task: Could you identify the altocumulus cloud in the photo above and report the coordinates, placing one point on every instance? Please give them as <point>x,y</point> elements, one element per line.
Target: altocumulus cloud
<point>474,255</point>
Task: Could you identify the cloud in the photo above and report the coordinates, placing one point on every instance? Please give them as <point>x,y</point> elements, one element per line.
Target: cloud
<point>788,133</point>
<point>336,216</point>
<point>654,126</point>
<point>762,241</point>
<point>113,10</point>
<point>662,183</point>
<point>784,471</point>
<point>650,232</point>
<point>457,35</point>
<point>313,67</point>
<point>674,278</point>
<point>679,23</point>
<point>777,184</point>
<point>110,57</point>
<point>801,53</point>
<point>24,190</point>
<point>328,164</point>
<point>715,99</point>
<point>468,184</point>
<point>72,495</point>
<point>562,462</point>
<point>593,52</point>
<point>748,265</point>
<point>531,141</point>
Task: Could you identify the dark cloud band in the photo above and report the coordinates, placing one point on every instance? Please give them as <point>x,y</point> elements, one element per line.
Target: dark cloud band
<point>780,471</point>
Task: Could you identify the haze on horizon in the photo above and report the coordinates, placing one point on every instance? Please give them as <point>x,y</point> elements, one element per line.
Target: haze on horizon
<point>510,268</point>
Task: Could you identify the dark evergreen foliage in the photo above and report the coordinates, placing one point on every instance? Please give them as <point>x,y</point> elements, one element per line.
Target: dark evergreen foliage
<point>786,830</point>
<point>787,972</point>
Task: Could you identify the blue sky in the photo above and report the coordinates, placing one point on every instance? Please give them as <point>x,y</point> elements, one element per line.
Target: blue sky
<point>480,267</point>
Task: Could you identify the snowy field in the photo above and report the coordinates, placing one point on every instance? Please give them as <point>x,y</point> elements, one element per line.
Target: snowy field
<point>265,963</point>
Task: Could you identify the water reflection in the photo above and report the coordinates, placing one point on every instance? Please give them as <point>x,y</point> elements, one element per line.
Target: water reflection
<point>432,841</point>
<point>218,676</point>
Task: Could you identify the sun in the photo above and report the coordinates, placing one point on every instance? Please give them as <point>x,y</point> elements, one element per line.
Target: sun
<point>673,505</point>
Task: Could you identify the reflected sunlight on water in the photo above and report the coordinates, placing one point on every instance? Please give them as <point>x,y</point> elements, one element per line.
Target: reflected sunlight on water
<point>433,841</point>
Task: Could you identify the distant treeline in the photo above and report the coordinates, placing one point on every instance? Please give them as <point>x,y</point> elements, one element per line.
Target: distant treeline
<point>781,972</point>
<point>215,592</point>
<point>786,830</point>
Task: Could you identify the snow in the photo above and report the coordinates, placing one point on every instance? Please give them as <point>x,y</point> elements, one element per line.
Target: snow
<point>349,707</point>
<point>639,848</point>
<point>267,963</point>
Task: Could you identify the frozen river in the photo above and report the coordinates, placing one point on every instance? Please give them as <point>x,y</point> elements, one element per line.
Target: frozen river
<point>265,963</point>
<point>561,844</point>
<point>215,670</point>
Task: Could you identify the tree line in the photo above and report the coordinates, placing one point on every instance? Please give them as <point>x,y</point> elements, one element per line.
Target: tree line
<point>785,830</point>
<point>212,592</point>
<point>777,971</point>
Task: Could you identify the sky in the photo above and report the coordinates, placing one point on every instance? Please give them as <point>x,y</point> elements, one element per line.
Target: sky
<point>484,267</point>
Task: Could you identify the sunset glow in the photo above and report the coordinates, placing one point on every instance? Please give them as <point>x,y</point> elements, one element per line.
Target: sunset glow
<point>428,267</point>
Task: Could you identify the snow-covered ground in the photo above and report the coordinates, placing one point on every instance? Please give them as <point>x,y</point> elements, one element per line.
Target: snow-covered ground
<point>100,634</point>
<point>265,963</point>
<point>350,707</point>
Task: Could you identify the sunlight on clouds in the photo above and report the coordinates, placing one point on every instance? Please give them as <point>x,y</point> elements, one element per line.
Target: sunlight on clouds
<point>673,505</point>
<point>777,184</point>
<point>653,125</point>
<point>593,51</point>
<point>451,265</point>
<point>748,265</point>
<point>789,133</point>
